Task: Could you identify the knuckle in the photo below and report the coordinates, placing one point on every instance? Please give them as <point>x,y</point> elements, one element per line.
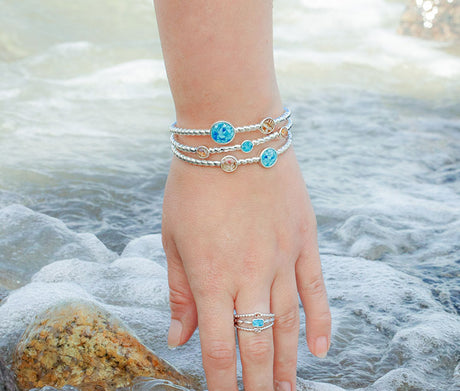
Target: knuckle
<point>309,227</point>
<point>180,302</point>
<point>289,320</point>
<point>206,288</point>
<point>286,361</point>
<point>178,297</point>
<point>324,316</point>
<point>320,319</point>
<point>258,348</point>
<point>219,355</point>
<point>314,286</point>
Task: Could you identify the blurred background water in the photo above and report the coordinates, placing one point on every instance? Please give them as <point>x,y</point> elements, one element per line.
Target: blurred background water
<point>84,110</point>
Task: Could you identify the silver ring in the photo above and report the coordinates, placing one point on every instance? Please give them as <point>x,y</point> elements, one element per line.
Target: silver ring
<point>255,322</point>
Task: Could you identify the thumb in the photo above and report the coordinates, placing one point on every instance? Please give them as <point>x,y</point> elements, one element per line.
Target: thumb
<point>184,319</point>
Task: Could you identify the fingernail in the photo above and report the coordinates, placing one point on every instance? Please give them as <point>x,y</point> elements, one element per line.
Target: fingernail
<point>321,347</point>
<point>175,331</point>
<point>283,386</point>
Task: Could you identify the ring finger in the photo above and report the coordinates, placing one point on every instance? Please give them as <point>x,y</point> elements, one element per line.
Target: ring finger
<point>256,348</point>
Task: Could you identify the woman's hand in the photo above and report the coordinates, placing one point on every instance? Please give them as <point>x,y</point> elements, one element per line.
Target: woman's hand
<point>245,241</point>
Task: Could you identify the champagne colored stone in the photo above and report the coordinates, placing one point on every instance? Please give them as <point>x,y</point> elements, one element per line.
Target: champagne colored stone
<point>202,152</point>
<point>267,126</point>
<point>229,163</point>
<point>284,132</point>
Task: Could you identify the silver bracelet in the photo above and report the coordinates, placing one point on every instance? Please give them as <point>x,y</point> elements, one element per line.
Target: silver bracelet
<point>229,163</point>
<point>223,132</point>
<point>246,146</point>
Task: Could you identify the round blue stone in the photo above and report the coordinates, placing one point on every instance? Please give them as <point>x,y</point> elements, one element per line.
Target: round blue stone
<point>222,132</point>
<point>268,157</point>
<point>246,146</point>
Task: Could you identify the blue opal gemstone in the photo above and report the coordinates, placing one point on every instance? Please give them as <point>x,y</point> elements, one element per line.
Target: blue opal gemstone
<point>246,146</point>
<point>222,132</point>
<point>268,157</point>
<point>257,322</point>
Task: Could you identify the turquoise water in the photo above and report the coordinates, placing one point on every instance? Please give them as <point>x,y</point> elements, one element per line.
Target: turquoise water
<point>84,110</point>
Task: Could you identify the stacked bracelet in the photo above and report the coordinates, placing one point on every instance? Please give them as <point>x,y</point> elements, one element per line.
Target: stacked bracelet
<point>223,132</point>
<point>246,146</point>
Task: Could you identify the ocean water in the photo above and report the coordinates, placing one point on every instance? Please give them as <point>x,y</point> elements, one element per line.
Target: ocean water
<point>84,155</point>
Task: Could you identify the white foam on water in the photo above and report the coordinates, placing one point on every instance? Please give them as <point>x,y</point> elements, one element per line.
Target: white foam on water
<point>30,240</point>
<point>334,42</point>
<point>133,72</point>
<point>126,281</point>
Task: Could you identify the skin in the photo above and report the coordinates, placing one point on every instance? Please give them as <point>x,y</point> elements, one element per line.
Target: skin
<point>246,240</point>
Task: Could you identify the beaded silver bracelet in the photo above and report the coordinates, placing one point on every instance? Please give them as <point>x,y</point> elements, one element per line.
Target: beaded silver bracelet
<point>229,163</point>
<point>223,132</point>
<point>246,146</point>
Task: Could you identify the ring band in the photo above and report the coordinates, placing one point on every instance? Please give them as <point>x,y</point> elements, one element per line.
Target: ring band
<point>255,322</point>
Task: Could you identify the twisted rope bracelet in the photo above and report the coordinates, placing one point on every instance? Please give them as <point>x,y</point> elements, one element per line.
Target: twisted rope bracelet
<point>229,163</point>
<point>223,132</point>
<point>246,146</point>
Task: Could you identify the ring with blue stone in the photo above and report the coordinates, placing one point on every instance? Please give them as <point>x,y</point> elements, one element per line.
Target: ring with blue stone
<point>255,322</point>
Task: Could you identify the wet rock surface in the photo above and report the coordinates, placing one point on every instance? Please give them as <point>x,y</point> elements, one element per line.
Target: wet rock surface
<point>7,382</point>
<point>80,344</point>
<point>31,240</point>
<point>3,293</point>
<point>438,20</point>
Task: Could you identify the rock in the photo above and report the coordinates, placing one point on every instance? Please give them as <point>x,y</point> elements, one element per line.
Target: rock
<point>431,19</point>
<point>3,293</point>
<point>7,382</point>
<point>148,246</point>
<point>134,289</point>
<point>82,345</point>
<point>307,385</point>
<point>31,240</point>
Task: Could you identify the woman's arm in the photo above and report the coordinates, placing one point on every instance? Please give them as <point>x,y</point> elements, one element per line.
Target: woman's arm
<point>219,59</point>
<point>245,240</point>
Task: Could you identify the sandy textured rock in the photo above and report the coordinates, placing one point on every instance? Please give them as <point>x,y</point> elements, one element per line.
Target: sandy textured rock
<point>431,19</point>
<point>82,345</point>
